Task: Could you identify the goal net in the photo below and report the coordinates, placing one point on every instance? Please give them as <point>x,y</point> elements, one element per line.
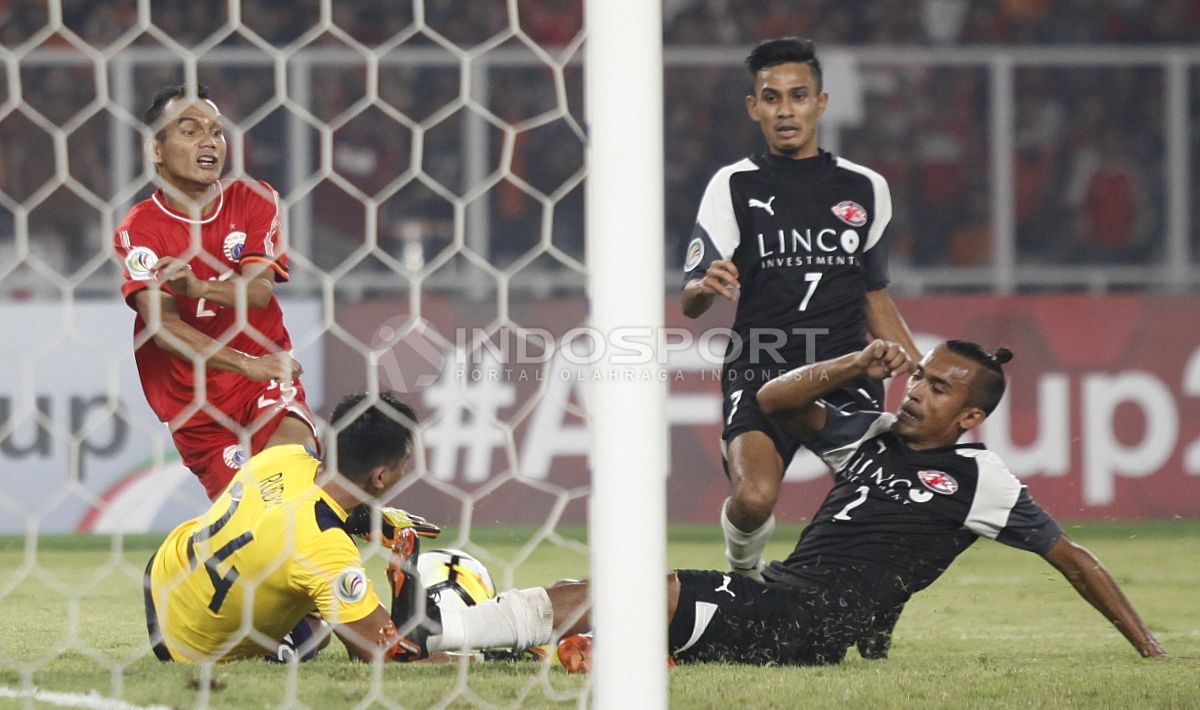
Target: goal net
<point>430,160</point>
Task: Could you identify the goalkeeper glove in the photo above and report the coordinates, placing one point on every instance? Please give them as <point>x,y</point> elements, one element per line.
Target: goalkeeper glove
<point>391,521</point>
<point>415,617</point>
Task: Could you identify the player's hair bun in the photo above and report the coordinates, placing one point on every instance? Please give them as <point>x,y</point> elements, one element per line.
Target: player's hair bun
<point>1001,356</point>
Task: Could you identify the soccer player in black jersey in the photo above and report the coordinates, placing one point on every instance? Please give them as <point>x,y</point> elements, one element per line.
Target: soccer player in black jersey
<point>796,236</point>
<point>908,499</point>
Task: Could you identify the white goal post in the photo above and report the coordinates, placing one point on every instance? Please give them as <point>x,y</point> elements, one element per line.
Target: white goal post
<point>624,225</point>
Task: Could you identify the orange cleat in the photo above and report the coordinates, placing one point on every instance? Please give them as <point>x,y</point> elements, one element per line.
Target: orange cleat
<point>575,653</point>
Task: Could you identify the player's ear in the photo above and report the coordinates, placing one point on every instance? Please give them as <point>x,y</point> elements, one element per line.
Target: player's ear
<point>822,103</point>
<point>971,417</point>
<point>377,480</point>
<point>751,102</point>
<point>152,150</point>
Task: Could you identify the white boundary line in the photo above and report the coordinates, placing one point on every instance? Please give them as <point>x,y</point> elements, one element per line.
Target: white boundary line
<point>90,701</point>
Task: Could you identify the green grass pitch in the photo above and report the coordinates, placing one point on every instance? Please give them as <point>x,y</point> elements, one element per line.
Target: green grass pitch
<point>1000,629</point>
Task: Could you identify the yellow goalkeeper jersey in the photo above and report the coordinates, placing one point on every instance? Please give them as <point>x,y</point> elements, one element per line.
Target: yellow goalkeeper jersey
<point>271,549</point>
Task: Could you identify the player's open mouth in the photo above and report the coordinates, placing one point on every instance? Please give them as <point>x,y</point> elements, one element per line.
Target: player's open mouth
<point>207,161</point>
<point>907,413</point>
<point>787,131</point>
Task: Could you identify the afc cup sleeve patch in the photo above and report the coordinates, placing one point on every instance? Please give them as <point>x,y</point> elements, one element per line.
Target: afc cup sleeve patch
<point>138,263</point>
<point>351,585</point>
<point>695,253</point>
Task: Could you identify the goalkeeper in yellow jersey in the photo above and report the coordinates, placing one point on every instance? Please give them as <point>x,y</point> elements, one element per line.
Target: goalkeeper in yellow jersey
<point>258,573</point>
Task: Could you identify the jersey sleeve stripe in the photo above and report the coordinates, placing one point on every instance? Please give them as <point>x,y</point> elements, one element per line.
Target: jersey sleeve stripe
<point>837,458</point>
<point>716,215</point>
<point>996,492</point>
<point>327,519</point>
<point>269,240</point>
<point>883,200</point>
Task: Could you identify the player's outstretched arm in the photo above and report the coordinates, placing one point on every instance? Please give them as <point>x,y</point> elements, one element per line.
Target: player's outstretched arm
<point>721,279</point>
<point>1095,584</point>
<point>254,280</point>
<point>183,341</point>
<point>370,638</point>
<point>793,398</point>
<point>885,322</point>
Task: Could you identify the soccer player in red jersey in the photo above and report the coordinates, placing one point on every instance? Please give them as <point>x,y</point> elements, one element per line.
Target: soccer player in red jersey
<point>199,260</point>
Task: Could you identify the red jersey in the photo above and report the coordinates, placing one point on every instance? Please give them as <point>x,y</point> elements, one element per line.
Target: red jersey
<point>242,227</point>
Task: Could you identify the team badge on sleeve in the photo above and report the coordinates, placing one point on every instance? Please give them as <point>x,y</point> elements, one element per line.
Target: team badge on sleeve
<point>851,213</point>
<point>139,261</point>
<point>234,242</point>
<point>695,253</point>
<point>234,456</point>
<point>351,585</point>
<point>938,482</point>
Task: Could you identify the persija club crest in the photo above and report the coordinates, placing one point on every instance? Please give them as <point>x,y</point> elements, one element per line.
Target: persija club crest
<point>850,212</point>
<point>234,242</point>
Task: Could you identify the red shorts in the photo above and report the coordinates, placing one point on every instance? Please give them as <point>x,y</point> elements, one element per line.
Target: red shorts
<point>214,453</point>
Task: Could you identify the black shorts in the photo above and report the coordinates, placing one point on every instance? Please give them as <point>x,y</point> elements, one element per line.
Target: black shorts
<point>730,618</point>
<point>741,412</point>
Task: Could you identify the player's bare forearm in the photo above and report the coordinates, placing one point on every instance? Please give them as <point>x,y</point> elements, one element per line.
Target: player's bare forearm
<point>254,280</point>
<point>227,294</point>
<point>369,638</point>
<point>720,279</point>
<point>792,397</point>
<point>694,302</point>
<point>1096,585</point>
<point>183,341</point>
<point>885,322</point>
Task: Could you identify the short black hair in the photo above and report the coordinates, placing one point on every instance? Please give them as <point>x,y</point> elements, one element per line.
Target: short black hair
<point>378,434</point>
<point>785,50</point>
<point>164,96</point>
<point>989,383</point>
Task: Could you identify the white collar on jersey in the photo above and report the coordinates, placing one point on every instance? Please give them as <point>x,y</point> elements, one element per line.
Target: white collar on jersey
<point>181,218</point>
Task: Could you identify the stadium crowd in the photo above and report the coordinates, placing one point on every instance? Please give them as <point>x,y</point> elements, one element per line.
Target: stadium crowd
<point>1090,140</point>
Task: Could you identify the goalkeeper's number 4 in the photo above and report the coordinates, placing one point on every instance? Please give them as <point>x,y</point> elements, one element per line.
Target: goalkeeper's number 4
<point>221,583</point>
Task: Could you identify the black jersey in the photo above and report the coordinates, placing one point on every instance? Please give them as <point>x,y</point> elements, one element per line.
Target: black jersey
<point>805,236</point>
<point>897,517</point>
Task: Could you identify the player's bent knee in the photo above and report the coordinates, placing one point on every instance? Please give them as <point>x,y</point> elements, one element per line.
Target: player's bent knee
<point>754,500</point>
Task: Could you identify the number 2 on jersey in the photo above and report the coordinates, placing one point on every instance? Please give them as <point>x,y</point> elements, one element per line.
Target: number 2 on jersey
<point>202,309</point>
<point>221,584</point>
<point>813,278</point>
<point>844,513</point>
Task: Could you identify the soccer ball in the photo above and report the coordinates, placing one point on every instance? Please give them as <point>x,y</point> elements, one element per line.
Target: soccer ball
<point>454,579</point>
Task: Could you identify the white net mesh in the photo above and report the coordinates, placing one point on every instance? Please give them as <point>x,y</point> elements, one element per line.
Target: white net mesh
<point>429,158</point>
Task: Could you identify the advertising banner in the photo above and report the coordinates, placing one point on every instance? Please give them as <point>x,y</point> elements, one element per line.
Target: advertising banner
<point>1101,420</point>
<point>80,450</point>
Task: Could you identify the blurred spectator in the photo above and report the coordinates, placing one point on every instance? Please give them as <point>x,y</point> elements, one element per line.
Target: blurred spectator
<point>970,241</point>
<point>551,22</point>
<point>1037,163</point>
<point>1108,193</point>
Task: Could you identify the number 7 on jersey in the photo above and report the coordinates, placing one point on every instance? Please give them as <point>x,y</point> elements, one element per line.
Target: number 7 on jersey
<point>813,278</point>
